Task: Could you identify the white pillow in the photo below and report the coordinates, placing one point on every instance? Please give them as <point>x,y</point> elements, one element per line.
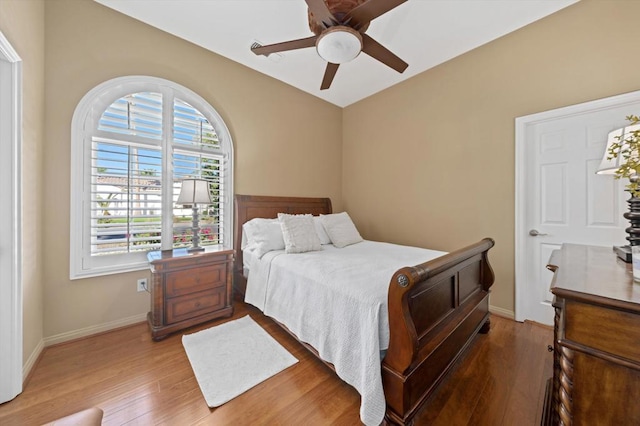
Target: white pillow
<point>340,229</point>
<point>252,228</point>
<point>322,234</point>
<point>263,236</point>
<point>299,233</point>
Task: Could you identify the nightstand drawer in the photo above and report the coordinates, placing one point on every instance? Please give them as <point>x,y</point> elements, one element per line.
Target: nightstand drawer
<point>186,307</point>
<point>189,288</point>
<point>194,280</point>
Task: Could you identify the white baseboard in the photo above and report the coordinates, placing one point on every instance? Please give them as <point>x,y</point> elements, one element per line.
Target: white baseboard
<point>502,312</point>
<point>31,361</point>
<point>94,329</point>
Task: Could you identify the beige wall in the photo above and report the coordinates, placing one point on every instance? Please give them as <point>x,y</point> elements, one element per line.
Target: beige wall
<point>384,156</point>
<point>22,23</point>
<point>431,161</point>
<point>286,142</point>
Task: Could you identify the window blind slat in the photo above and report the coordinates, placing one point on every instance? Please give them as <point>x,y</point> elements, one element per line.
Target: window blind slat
<point>137,114</point>
<point>126,175</point>
<point>126,204</point>
<point>204,167</point>
<point>190,127</point>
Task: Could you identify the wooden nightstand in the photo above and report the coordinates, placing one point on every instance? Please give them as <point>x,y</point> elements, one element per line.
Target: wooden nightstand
<point>189,288</point>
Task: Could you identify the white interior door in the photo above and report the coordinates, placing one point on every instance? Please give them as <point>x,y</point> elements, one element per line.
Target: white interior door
<point>559,197</point>
<point>10,248</point>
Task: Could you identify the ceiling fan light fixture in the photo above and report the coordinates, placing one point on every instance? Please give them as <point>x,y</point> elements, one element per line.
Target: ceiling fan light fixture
<point>339,44</point>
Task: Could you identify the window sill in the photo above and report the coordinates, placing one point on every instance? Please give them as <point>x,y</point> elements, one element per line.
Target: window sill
<point>102,271</point>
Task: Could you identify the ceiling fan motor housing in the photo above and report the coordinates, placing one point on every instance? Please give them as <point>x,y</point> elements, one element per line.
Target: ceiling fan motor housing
<point>339,9</point>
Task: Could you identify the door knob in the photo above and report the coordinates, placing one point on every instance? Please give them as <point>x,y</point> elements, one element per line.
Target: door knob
<point>535,233</point>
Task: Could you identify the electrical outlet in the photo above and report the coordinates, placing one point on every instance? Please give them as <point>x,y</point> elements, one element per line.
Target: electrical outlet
<point>142,284</point>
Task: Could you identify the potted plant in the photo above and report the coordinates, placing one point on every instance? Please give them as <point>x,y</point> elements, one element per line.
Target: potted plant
<point>624,148</point>
<point>627,147</point>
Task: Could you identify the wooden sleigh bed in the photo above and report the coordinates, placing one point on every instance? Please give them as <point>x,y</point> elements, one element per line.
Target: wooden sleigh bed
<point>435,308</point>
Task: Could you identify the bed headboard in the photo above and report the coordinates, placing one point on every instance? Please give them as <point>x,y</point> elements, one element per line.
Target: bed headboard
<point>248,207</point>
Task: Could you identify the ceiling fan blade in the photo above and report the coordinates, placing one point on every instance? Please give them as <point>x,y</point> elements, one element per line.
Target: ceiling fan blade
<point>382,54</point>
<point>370,10</point>
<point>285,45</point>
<point>321,12</point>
<point>329,73</point>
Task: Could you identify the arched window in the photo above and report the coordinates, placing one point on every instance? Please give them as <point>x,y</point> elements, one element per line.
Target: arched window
<point>133,141</point>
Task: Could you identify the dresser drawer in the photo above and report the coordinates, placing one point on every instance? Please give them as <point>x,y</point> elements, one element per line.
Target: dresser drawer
<point>192,305</point>
<point>194,280</point>
<point>610,331</point>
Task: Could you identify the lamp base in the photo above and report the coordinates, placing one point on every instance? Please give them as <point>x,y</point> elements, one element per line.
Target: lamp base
<point>623,252</point>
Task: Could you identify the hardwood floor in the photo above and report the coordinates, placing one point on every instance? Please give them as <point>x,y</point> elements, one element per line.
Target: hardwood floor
<point>499,381</point>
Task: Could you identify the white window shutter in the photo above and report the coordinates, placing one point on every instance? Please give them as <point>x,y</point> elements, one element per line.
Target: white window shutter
<point>131,158</point>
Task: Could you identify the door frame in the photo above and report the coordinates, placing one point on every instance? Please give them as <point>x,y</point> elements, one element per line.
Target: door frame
<point>521,125</point>
<point>11,338</point>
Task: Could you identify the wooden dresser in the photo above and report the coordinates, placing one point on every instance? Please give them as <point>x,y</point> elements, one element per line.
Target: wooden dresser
<point>596,377</point>
<point>189,288</point>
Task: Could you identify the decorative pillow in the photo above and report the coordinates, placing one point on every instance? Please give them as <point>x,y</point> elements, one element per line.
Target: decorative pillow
<point>340,229</point>
<point>263,236</point>
<point>299,233</point>
<point>322,234</point>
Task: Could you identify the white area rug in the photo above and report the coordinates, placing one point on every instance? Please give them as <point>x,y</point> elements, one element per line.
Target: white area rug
<point>233,357</point>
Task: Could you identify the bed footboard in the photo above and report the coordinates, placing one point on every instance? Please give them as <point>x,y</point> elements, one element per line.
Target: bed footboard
<point>435,310</point>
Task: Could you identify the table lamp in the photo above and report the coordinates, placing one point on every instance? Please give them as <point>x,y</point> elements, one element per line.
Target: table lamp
<point>618,140</point>
<point>194,192</point>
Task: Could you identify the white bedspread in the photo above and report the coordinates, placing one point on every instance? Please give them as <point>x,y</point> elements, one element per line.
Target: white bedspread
<point>336,301</point>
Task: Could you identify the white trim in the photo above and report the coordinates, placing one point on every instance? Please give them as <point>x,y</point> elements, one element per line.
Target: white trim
<point>100,271</point>
<point>521,125</point>
<point>94,329</point>
<point>167,118</point>
<point>98,99</point>
<point>11,305</point>
<point>77,334</point>
<point>505,313</point>
<point>33,358</point>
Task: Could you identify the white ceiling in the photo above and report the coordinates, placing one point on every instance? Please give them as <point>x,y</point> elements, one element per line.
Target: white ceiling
<point>424,33</point>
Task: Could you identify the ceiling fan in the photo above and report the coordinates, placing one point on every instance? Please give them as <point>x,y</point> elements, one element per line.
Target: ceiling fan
<point>339,27</point>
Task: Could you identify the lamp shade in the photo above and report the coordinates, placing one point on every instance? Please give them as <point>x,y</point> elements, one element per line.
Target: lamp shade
<point>608,166</point>
<point>194,191</point>
<point>339,44</point>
